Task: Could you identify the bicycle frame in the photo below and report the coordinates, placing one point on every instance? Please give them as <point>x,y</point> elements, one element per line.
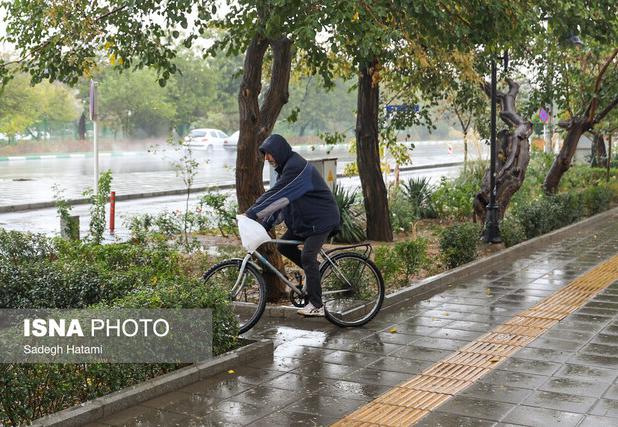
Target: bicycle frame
<point>239,284</point>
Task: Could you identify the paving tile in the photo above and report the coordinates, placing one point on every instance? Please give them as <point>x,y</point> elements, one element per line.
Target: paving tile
<point>421,353</point>
<point>606,339</point>
<point>329,406</point>
<point>284,418</point>
<point>184,403</point>
<point>394,337</point>
<point>249,375</point>
<point>514,379</point>
<point>269,399</point>
<point>283,364</point>
<point>530,366</point>
<point>440,343</point>
<point>379,377</point>
<point>446,315</point>
<point>569,335</point>
<point>570,324</point>
<point>220,389</point>
<point>239,412</point>
<point>530,416</point>
<point>497,392</point>
<point>589,318</point>
<point>597,312</point>
<point>456,334</point>
<point>351,358</point>
<point>400,364</point>
<point>600,349</point>
<point>570,370</point>
<point>296,382</point>
<point>597,421</point>
<point>556,344</point>
<point>324,369</point>
<point>594,360</point>
<point>352,390</point>
<point>560,401</point>
<point>574,386</point>
<point>413,329</point>
<point>470,326</point>
<point>611,392</point>
<point>438,419</point>
<point>471,407</point>
<point>492,319</point>
<point>300,352</point>
<point>543,354</point>
<point>374,347</point>
<point>141,415</point>
<point>606,408</point>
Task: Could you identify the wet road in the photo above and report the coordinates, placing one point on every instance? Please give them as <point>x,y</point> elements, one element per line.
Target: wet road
<point>46,220</point>
<point>30,181</point>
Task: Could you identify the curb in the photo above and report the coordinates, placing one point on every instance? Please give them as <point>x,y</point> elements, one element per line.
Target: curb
<point>85,154</point>
<point>224,186</point>
<point>104,406</point>
<point>435,284</point>
<point>67,156</point>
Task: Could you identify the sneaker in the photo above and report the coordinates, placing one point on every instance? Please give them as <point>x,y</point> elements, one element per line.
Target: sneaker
<point>310,311</point>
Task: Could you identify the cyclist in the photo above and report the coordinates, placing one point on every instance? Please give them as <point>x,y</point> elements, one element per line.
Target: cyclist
<point>301,198</point>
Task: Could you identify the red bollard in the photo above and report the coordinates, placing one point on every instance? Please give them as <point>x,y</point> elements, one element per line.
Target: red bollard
<point>112,212</point>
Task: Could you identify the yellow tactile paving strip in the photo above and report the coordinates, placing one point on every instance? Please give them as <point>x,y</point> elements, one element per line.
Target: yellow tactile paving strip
<point>407,403</point>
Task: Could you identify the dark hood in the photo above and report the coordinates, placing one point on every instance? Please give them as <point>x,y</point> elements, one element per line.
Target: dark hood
<point>278,147</point>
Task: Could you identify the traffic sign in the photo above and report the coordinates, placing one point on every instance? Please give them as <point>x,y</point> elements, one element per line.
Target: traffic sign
<point>402,107</point>
<point>543,115</point>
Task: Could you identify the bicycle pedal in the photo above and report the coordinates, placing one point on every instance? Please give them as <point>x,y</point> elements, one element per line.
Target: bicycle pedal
<point>299,278</point>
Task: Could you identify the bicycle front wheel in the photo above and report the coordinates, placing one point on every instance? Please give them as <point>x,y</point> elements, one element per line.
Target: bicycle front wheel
<point>352,289</point>
<point>249,297</point>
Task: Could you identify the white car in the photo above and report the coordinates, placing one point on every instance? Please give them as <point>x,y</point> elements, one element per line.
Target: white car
<point>206,138</point>
<point>232,140</point>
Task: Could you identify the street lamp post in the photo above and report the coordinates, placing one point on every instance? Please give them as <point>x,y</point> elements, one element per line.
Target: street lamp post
<point>492,229</point>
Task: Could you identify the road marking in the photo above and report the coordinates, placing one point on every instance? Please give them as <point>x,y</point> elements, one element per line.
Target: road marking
<point>410,401</point>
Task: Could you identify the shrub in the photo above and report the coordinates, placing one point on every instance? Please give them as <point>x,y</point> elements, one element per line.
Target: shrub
<point>352,215</point>
<point>453,199</point>
<point>224,212</point>
<point>402,210</point>
<point>182,292</point>
<point>400,262</point>
<point>597,199</point>
<point>512,231</point>
<point>412,256</point>
<point>549,213</point>
<point>35,390</point>
<point>39,272</point>
<point>387,262</point>
<point>459,244</point>
<point>418,192</point>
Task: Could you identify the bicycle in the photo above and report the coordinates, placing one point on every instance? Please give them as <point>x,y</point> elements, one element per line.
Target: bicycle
<point>352,285</point>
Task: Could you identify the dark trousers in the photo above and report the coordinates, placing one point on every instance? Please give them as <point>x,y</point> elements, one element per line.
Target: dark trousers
<point>308,261</point>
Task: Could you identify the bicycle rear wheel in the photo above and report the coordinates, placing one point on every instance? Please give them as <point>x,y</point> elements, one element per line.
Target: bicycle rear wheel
<point>249,301</point>
<point>352,289</point>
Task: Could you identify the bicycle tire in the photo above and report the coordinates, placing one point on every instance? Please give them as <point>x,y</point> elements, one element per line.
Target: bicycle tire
<point>379,283</point>
<point>245,321</point>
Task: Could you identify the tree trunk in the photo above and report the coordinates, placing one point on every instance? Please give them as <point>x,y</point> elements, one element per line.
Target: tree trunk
<point>598,155</point>
<point>368,156</point>
<point>576,127</point>
<point>81,127</point>
<point>256,123</point>
<point>512,157</point>
<point>465,142</point>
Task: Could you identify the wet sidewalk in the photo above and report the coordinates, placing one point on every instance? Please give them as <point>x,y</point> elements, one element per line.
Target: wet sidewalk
<point>321,373</point>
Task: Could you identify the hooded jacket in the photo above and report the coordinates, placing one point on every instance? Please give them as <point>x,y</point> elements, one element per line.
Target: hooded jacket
<point>300,197</point>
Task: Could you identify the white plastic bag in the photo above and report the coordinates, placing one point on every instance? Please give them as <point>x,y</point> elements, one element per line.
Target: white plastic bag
<point>252,234</point>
